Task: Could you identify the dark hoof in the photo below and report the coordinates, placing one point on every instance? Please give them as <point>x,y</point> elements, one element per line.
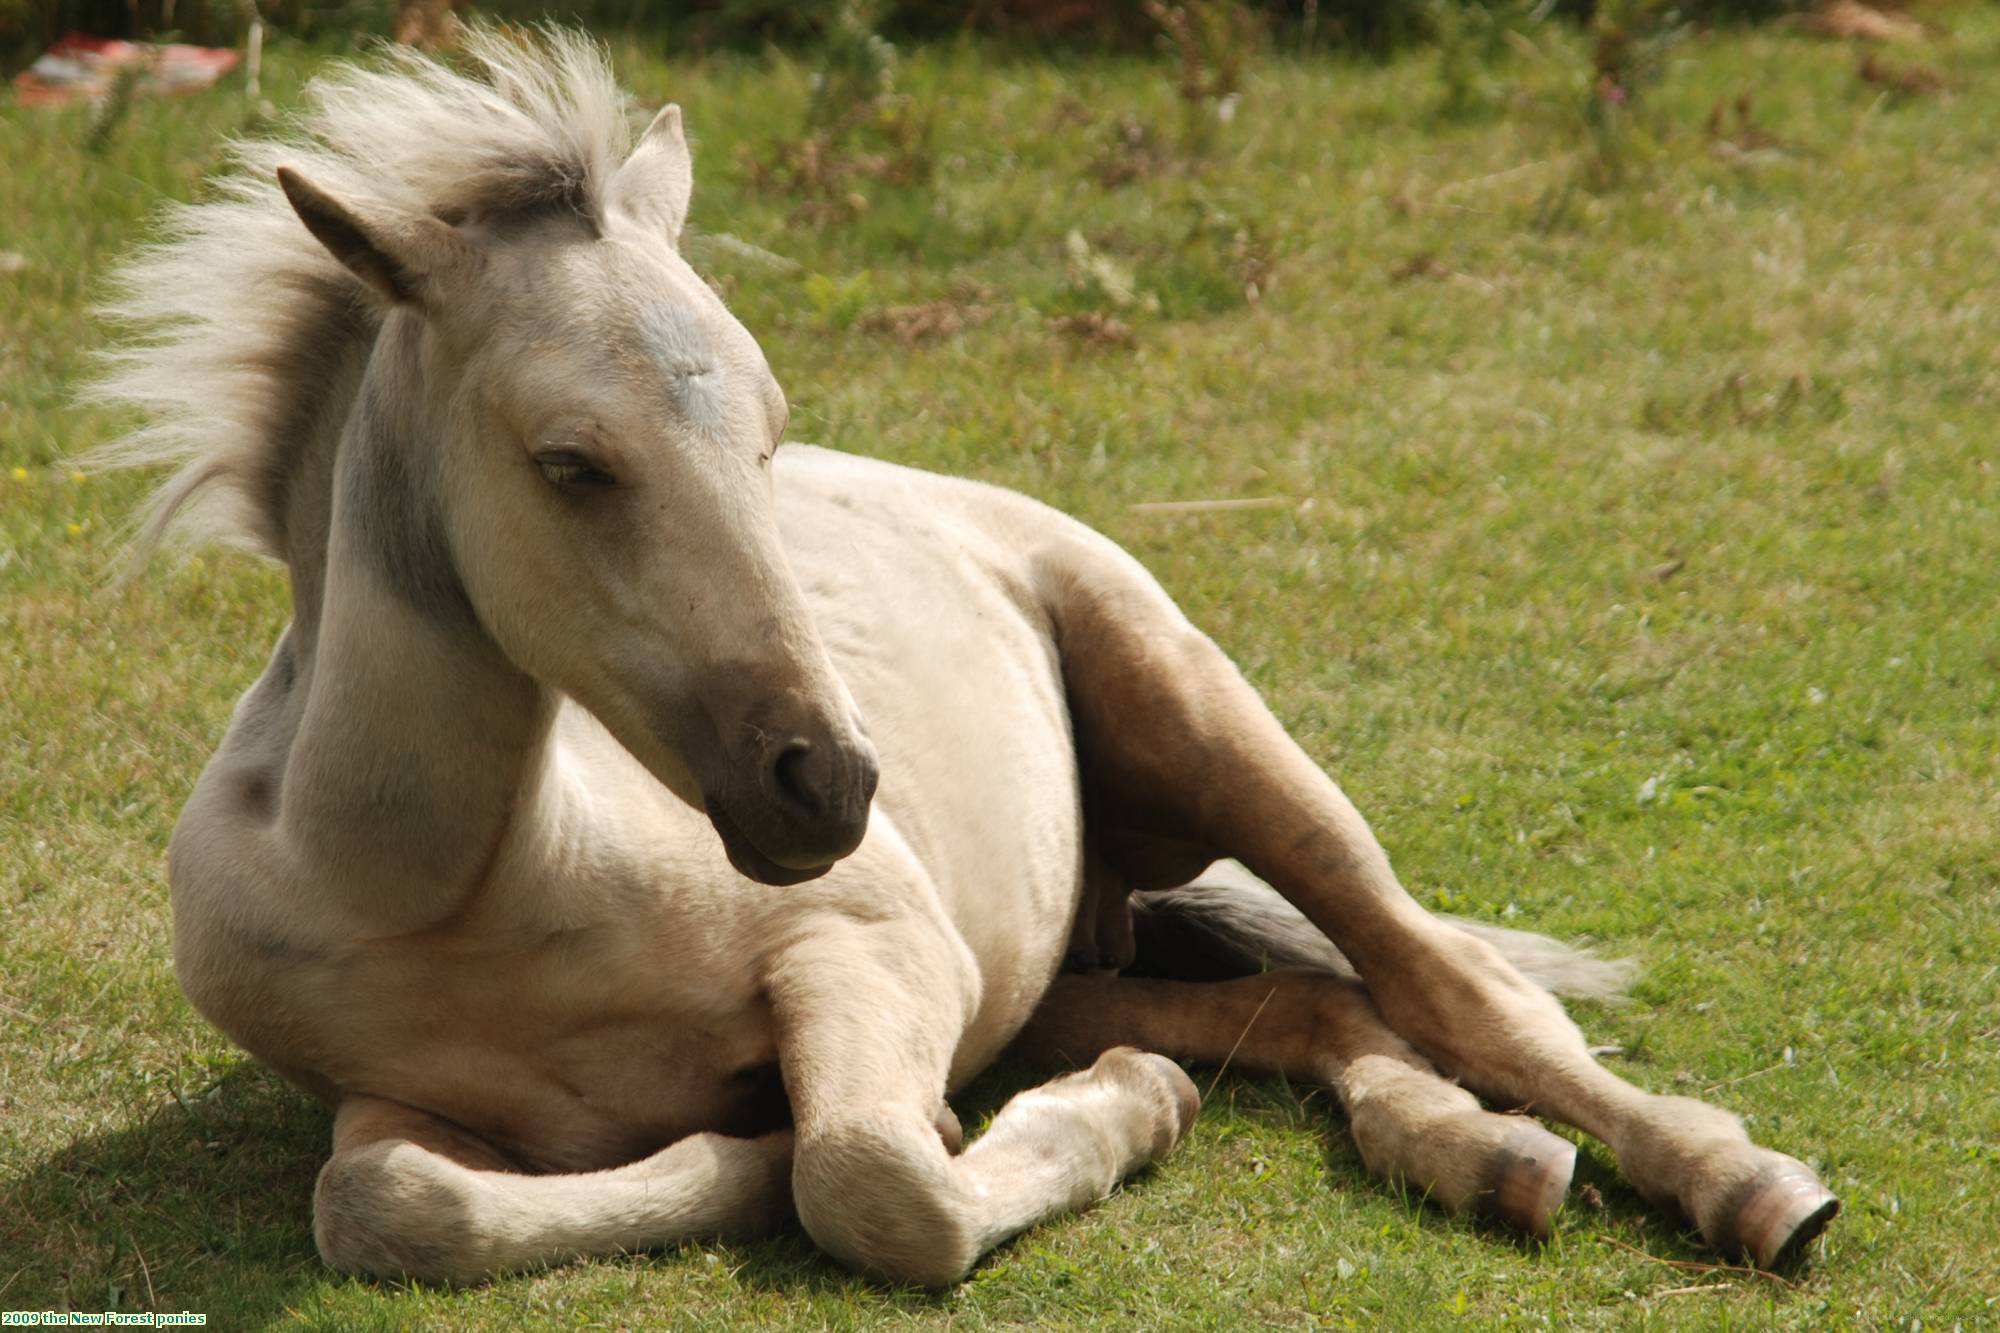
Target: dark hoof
<point>1781,1213</point>
<point>1533,1179</point>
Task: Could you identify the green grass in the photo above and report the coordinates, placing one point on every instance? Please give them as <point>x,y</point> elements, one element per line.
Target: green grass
<point>1639,579</point>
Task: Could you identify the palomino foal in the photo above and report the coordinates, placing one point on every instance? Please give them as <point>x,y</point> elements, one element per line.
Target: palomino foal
<point>581,666</point>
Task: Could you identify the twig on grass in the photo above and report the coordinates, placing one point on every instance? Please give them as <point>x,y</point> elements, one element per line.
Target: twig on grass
<point>152,1297</point>
<point>1694,1266</point>
<point>1210,506</point>
<point>1745,1078</point>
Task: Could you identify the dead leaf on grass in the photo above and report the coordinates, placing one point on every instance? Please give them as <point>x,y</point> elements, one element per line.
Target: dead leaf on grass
<point>926,322</point>
<point>1093,328</point>
<point>1425,265</point>
<point>1850,20</point>
<point>1907,80</point>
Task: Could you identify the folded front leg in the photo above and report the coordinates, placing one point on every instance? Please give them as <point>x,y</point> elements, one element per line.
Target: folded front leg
<point>869,1017</point>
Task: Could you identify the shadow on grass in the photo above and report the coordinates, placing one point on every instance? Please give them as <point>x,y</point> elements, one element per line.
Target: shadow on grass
<point>205,1205</point>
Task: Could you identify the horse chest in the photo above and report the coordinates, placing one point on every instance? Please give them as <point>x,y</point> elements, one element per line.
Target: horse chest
<point>570,1050</point>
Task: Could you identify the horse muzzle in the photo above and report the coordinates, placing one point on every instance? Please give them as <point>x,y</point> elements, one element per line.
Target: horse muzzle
<point>792,805</point>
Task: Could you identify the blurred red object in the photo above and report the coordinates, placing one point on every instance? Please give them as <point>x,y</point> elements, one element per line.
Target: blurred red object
<point>84,69</point>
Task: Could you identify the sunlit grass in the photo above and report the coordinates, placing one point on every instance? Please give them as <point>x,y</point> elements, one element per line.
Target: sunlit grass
<point>1637,571</point>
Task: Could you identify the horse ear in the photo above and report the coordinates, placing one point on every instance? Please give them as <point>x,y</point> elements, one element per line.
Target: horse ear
<point>400,255</point>
<point>654,185</point>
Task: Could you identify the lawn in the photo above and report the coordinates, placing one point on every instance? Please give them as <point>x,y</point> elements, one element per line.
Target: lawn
<point>1632,555</point>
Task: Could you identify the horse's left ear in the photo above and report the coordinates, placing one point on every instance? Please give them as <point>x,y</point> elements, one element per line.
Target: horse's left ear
<point>654,185</point>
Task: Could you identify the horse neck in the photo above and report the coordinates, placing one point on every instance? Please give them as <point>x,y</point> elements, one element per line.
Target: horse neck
<point>418,743</point>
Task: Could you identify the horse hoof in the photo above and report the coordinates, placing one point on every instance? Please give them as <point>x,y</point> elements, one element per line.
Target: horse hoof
<point>1782,1211</point>
<point>1167,1085</point>
<point>1533,1179</point>
<point>950,1131</point>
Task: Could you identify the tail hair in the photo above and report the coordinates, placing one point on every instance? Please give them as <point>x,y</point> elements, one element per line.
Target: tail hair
<point>1229,923</point>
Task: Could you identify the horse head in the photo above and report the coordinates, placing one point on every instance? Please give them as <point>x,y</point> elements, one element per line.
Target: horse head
<point>602,429</point>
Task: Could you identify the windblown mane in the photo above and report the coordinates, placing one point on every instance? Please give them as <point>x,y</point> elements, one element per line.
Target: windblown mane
<point>238,320</point>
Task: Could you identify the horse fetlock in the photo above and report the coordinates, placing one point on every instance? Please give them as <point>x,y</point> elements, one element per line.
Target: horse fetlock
<point>392,1210</point>
<point>1682,1153</point>
<point>1747,1201</point>
<point>1435,1137</point>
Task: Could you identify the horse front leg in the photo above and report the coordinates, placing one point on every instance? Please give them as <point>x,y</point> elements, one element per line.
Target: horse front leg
<point>869,1016</point>
<point>1173,742</point>
<point>406,1194</point>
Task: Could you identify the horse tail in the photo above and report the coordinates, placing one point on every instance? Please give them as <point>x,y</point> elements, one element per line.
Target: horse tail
<point>1229,923</point>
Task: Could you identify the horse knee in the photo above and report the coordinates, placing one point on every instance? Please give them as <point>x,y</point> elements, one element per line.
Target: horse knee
<point>877,1192</point>
<point>393,1209</point>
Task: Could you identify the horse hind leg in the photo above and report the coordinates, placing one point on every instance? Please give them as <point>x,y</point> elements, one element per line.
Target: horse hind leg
<point>408,1195</point>
<point>1410,1124</point>
<point>1172,741</point>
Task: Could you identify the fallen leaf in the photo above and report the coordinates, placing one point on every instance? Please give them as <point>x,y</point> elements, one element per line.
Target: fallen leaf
<point>1094,327</point>
<point>1909,80</point>
<point>1850,20</point>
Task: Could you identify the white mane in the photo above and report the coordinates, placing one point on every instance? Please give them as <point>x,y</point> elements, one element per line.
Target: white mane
<point>237,318</point>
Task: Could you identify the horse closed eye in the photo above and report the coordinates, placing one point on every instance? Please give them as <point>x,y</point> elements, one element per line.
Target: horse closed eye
<point>572,470</point>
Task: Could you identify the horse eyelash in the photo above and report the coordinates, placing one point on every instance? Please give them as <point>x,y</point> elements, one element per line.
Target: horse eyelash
<point>575,470</point>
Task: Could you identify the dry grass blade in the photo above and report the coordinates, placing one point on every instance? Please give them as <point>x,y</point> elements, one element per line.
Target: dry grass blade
<point>145,1270</point>
<point>1693,1266</point>
<point>1212,506</point>
<point>1210,1089</point>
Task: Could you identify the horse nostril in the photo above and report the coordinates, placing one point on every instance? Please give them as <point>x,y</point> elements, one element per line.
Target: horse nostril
<point>801,782</point>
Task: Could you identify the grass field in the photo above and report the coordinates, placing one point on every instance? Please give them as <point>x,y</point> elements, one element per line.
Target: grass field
<point>1635,563</point>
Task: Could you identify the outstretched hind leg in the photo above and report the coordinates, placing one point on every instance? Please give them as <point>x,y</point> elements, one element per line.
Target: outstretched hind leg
<point>1410,1124</point>
<point>409,1195</point>
<point>1173,743</point>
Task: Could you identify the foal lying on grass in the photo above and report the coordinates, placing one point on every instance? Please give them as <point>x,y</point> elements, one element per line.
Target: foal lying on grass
<point>640,830</point>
